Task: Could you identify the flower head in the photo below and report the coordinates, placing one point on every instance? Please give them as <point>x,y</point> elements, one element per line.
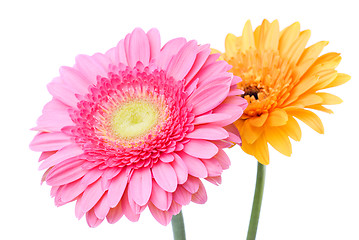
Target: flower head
<point>138,126</point>
<point>281,80</point>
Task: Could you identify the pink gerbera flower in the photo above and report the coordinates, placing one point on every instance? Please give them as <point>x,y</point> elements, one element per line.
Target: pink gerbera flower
<point>138,126</point>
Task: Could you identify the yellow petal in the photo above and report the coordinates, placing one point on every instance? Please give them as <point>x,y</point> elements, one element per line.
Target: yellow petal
<point>247,40</point>
<point>292,129</point>
<point>307,99</point>
<point>258,121</point>
<point>327,61</point>
<point>339,80</point>
<point>296,49</point>
<point>304,84</point>
<point>263,34</point>
<point>309,56</point>
<point>320,108</point>
<point>261,150</point>
<point>325,78</point>
<point>272,37</point>
<point>279,140</point>
<point>230,45</point>
<point>329,99</point>
<point>278,117</point>
<point>287,37</point>
<point>250,133</point>
<point>248,148</point>
<point>256,35</point>
<point>308,117</point>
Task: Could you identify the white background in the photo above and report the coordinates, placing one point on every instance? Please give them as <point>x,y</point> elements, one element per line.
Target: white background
<point>311,195</point>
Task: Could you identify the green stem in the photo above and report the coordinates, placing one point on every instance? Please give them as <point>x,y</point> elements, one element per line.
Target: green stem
<point>257,202</point>
<point>178,227</point>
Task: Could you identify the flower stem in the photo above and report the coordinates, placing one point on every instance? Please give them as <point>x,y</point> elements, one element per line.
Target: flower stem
<point>178,227</point>
<point>257,202</point>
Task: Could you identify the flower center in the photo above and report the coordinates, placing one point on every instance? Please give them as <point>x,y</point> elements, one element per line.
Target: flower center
<point>134,119</point>
<point>266,78</point>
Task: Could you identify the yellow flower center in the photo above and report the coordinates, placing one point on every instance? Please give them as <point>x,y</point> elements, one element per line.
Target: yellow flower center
<point>134,119</point>
<point>265,77</point>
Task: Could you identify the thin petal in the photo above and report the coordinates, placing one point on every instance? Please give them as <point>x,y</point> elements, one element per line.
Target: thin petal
<point>180,168</point>
<point>139,48</point>
<point>117,187</point>
<point>67,152</point>
<point>140,186</point>
<point>208,132</point>
<point>160,198</point>
<point>200,196</point>
<point>162,217</point>
<point>183,61</point>
<point>165,176</point>
<point>200,148</point>
<point>195,166</point>
<point>154,40</point>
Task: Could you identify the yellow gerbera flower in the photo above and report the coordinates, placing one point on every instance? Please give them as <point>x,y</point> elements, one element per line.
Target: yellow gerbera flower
<point>281,80</point>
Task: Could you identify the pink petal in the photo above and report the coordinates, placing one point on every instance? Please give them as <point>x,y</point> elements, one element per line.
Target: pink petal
<point>215,180</point>
<point>182,196</point>
<point>140,186</point>
<point>208,132</point>
<point>66,152</point>
<point>168,51</point>
<point>121,52</point>
<point>200,196</point>
<point>127,210</point>
<point>223,159</point>
<point>211,70</point>
<point>207,98</point>
<point>66,172</point>
<point>183,61</point>
<point>200,148</point>
<point>175,208</point>
<point>74,80</point>
<point>165,176</point>
<point>92,220</point>
<point>192,184</point>
<point>195,166</point>
<point>234,111</point>
<point>211,118</point>
<point>90,68</point>
<point>162,217</point>
<point>213,167</point>
<point>139,48</point>
<point>154,40</point>
<point>60,92</point>
<point>201,58</point>
<point>71,190</point>
<point>180,168</point>
<point>166,157</point>
<point>115,214</point>
<point>92,195</point>
<point>78,211</point>
<point>101,209</point>
<point>45,155</point>
<point>44,142</point>
<point>160,198</point>
<point>53,122</point>
<point>191,86</point>
<point>117,187</point>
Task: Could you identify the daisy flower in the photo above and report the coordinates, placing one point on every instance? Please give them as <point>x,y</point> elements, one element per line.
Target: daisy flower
<point>138,127</point>
<point>282,80</point>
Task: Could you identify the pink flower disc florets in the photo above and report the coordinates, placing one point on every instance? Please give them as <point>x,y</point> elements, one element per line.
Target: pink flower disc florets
<point>138,126</point>
<point>94,119</point>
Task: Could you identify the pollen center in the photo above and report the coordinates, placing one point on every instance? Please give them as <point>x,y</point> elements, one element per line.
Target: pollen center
<point>134,119</point>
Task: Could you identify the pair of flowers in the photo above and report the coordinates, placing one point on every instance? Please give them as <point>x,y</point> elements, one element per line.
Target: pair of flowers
<point>141,125</point>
